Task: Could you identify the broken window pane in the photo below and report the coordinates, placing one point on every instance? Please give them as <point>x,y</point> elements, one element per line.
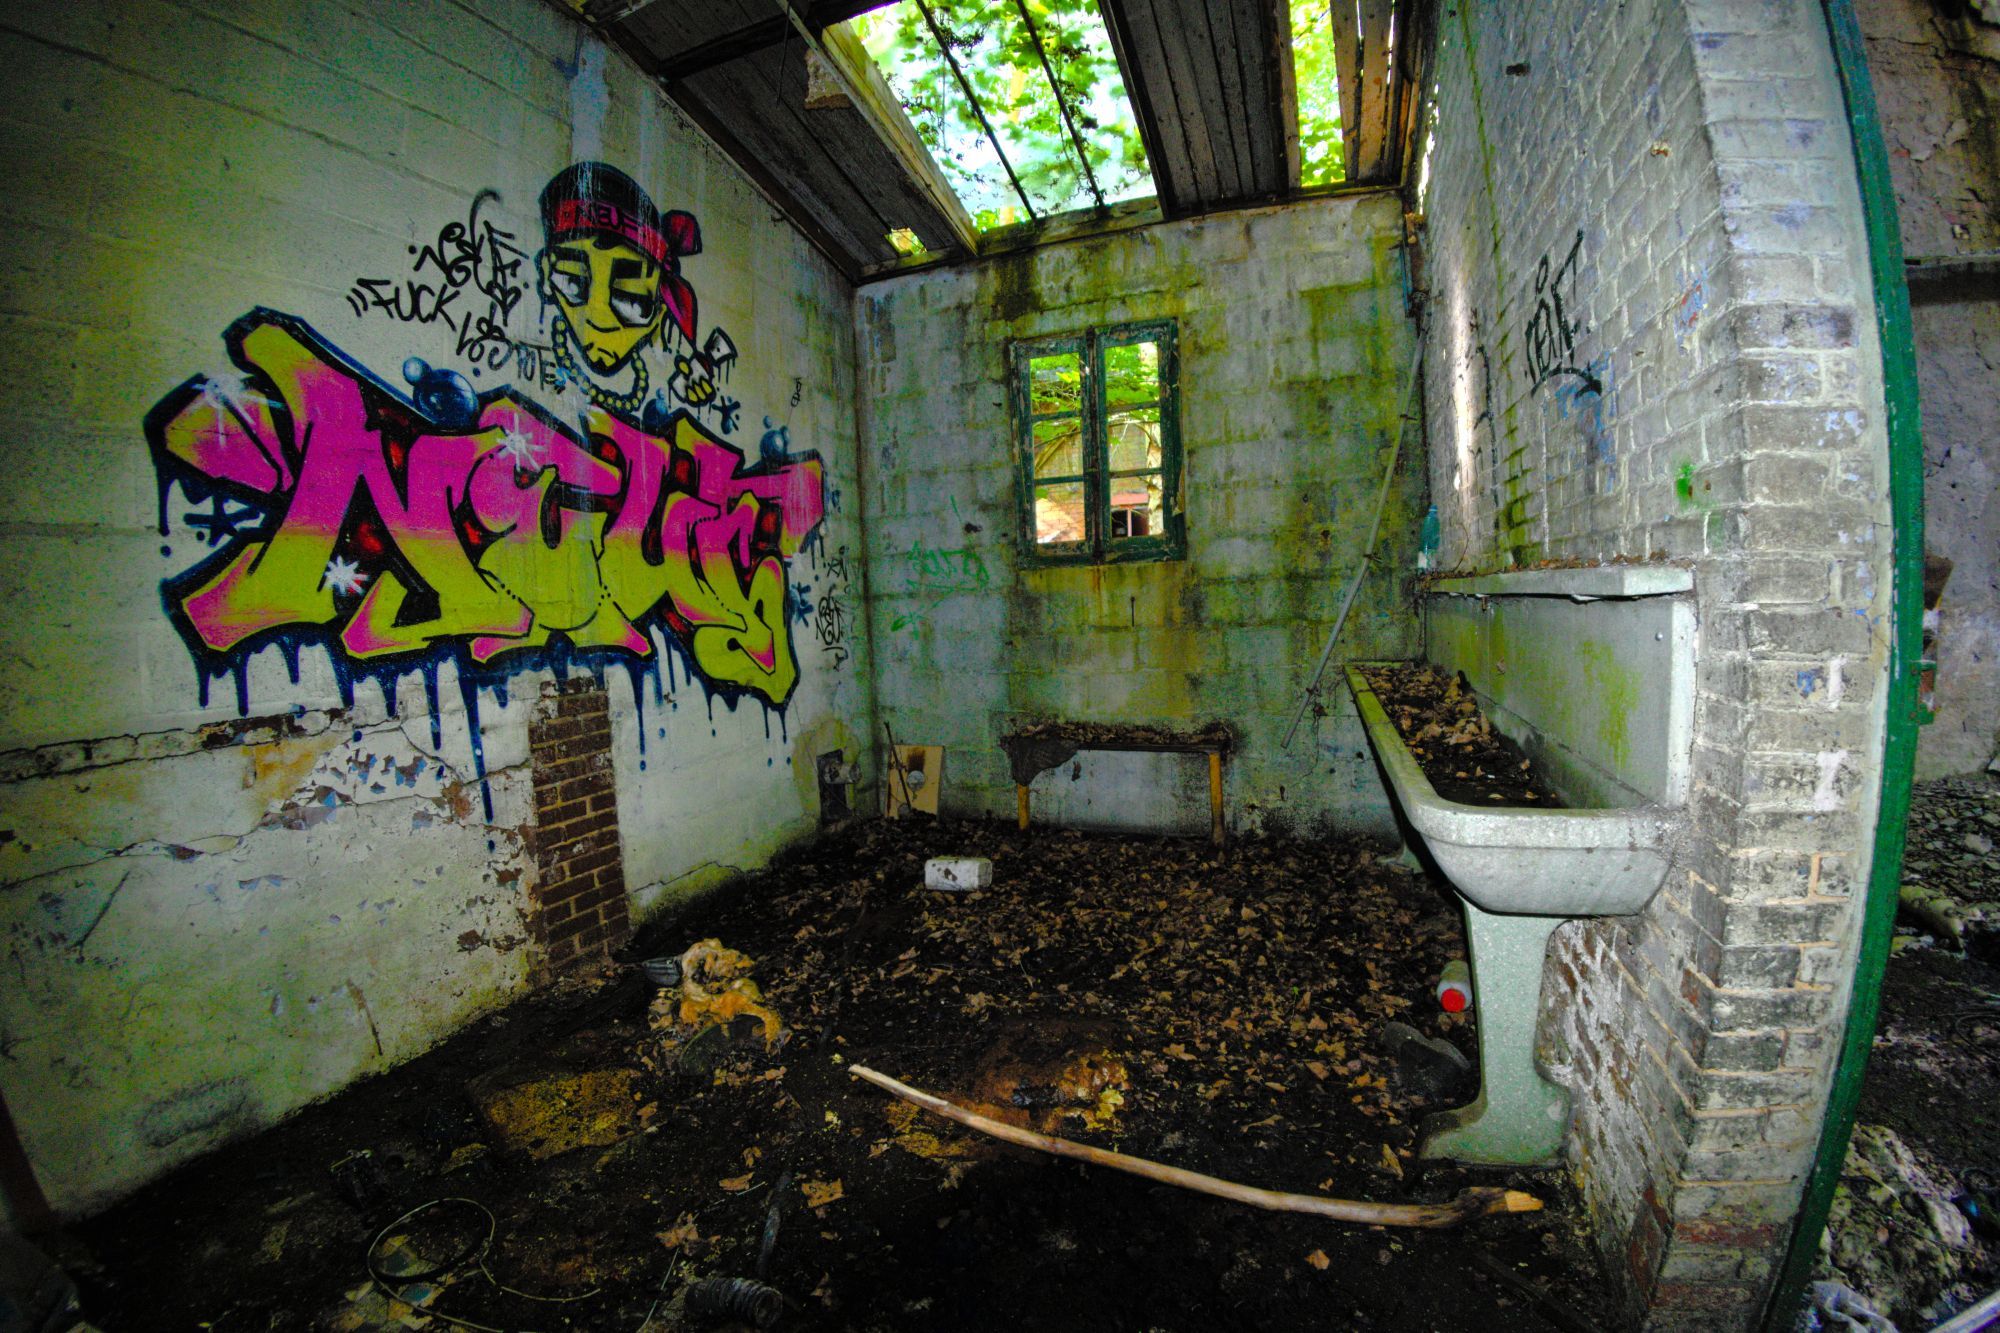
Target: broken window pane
<point>1006,64</point>
<point>1135,506</point>
<point>1134,439</point>
<point>1131,374</point>
<point>1059,513</point>
<point>1059,447</point>
<point>1317,80</point>
<point>1055,383</point>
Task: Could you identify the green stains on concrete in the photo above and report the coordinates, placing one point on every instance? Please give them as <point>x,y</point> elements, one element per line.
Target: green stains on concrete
<point>1684,484</point>
<point>1015,291</point>
<point>1688,491</point>
<point>1617,693</point>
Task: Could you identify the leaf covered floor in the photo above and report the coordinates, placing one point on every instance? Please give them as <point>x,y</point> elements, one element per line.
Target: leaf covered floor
<point>1216,1010</point>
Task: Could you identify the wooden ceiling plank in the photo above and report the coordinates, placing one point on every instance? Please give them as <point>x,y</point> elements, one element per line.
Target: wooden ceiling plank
<point>1225,50</point>
<point>1256,58</point>
<point>1151,93</point>
<point>814,133</point>
<point>877,106</point>
<point>1285,87</point>
<point>1347,71</point>
<point>800,210</point>
<point>1414,32</point>
<point>739,99</point>
<point>852,146</point>
<point>765,25</point>
<point>1375,89</point>
<point>671,31</point>
<point>1195,113</point>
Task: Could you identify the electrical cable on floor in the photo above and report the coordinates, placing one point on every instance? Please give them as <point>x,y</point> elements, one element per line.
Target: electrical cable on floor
<point>474,1251</point>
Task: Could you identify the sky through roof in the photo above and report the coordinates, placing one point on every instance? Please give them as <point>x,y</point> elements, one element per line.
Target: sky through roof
<point>1019,101</point>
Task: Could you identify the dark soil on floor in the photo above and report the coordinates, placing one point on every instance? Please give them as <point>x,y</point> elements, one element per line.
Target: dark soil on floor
<point>1466,760</point>
<point>1933,1082</point>
<point>1216,1010</point>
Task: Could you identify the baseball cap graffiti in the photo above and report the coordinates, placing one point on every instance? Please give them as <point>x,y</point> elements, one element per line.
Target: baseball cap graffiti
<point>596,199</point>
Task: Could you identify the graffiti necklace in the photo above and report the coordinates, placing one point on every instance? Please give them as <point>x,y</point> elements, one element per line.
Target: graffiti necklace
<point>625,403</point>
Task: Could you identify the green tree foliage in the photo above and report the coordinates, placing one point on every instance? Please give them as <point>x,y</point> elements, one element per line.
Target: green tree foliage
<point>997,54</point>
<point>1317,78</point>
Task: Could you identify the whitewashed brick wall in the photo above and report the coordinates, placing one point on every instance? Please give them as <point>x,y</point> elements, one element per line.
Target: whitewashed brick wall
<point>1683,169</point>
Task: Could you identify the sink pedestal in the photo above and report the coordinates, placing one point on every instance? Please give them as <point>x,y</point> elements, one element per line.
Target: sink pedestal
<point>1519,1117</point>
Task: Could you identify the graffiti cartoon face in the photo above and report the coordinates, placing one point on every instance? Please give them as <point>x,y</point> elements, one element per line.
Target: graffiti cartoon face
<point>610,295</point>
<point>611,263</point>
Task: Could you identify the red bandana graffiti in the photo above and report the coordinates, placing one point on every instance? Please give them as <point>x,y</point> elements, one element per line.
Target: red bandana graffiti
<point>391,538</point>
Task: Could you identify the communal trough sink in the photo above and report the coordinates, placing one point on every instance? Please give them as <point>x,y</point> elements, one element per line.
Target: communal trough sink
<point>1591,672</point>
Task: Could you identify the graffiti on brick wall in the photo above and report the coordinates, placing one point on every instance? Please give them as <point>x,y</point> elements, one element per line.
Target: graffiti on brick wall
<point>493,529</point>
<point>1550,336</point>
<point>1583,386</point>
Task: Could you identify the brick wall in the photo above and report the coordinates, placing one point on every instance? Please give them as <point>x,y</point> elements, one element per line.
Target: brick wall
<point>1294,343</point>
<point>577,910</point>
<point>1655,342</point>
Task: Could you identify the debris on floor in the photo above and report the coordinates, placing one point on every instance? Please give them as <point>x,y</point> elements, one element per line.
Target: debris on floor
<point>1894,1232</point>
<point>1217,1012</point>
<point>714,991</point>
<point>1463,756</point>
<point>544,1112</point>
<point>1951,868</point>
<point>1911,1232</point>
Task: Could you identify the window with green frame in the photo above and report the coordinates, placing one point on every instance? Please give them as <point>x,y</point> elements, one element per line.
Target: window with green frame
<point>1097,431</point>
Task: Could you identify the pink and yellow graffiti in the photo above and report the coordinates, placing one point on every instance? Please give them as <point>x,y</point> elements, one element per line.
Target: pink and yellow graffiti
<point>391,536</point>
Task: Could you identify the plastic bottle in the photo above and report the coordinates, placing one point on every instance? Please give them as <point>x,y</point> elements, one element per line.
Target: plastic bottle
<point>1427,552</point>
<point>1454,988</point>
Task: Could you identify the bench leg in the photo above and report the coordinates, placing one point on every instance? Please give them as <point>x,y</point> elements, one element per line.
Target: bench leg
<point>1215,799</point>
<point>1021,805</point>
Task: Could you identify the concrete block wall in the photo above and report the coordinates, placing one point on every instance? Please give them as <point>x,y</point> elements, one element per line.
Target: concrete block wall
<point>1656,343</point>
<point>1293,342</point>
<point>234,881</point>
<point>1937,90</point>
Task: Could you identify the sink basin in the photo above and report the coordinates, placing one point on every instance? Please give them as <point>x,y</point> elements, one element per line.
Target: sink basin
<point>1520,872</point>
<point>1525,860</point>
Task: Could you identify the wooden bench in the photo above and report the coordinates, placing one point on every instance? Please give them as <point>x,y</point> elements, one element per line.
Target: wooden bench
<point>1032,751</point>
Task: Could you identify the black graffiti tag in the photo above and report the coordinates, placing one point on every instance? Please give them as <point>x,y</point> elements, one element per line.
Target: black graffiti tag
<point>476,260</point>
<point>1551,332</point>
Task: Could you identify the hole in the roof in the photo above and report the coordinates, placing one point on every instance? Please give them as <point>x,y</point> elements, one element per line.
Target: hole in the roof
<point>1021,105</point>
<point>905,242</point>
<point>1316,77</point>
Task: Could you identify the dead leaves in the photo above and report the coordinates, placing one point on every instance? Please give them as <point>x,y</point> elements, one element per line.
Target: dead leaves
<point>820,1193</point>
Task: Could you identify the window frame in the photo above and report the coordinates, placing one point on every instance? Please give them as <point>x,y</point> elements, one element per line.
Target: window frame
<point>1098,546</point>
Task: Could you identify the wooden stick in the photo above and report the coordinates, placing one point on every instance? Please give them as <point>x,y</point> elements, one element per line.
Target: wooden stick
<point>1469,1204</point>
<point>1215,797</point>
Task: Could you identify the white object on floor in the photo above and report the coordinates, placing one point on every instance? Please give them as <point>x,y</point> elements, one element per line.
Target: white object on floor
<point>957,874</point>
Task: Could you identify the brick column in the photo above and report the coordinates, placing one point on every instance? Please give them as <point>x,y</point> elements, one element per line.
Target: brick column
<point>577,911</point>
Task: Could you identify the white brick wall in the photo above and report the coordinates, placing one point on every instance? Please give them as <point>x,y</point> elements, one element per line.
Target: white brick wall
<point>1727,417</point>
